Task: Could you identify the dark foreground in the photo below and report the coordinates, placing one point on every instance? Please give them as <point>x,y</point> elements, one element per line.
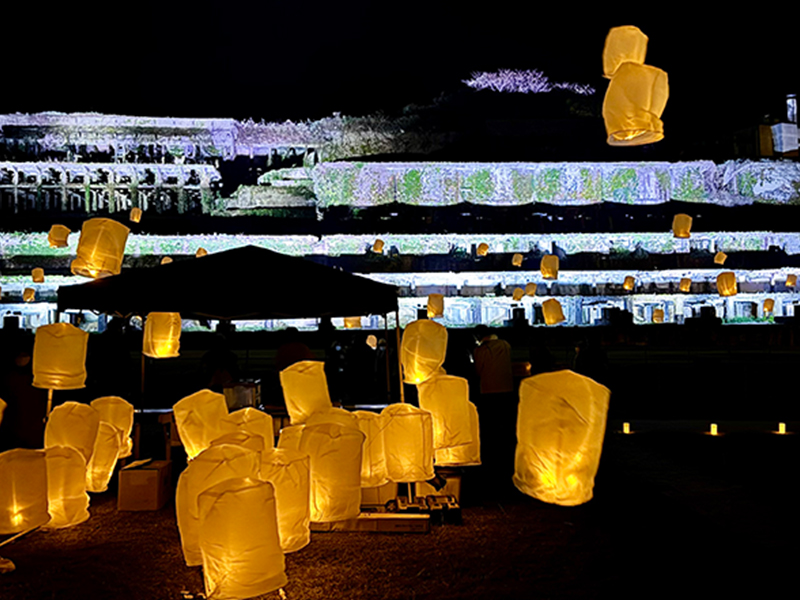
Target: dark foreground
<point>674,512</point>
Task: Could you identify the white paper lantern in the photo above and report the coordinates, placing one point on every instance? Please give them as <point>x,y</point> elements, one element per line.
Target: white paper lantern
<point>422,350</point>
<point>119,413</point>
<point>289,472</point>
<point>447,399</point>
<point>252,421</point>
<point>408,439</point>
<point>198,418</point>
<point>107,447</point>
<point>305,389</point>
<point>67,500</point>
<point>468,454</point>
<point>73,425</point>
<point>23,490</point>
<point>373,455</point>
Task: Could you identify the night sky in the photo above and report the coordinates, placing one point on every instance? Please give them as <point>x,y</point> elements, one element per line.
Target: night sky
<point>304,60</point>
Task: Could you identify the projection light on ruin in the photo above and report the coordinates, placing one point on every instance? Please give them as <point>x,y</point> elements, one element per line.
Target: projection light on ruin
<point>791,281</point>
<point>23,490</point>
<point>28,295</point>
<point>658,315</point>
<point>305,389</point>
<point>516,260</point>
<point>530,289</point>
<point>682,226</point>
<point>726,284</point>
<point>422,350</point>
<point>162,335</point>
<point>37,275</point>
<point>483,249</point>
<point>769,306</point>
<point>625,44</point>
<point>435,305</point>
<point>629,283</point>
<point>198,418</point>
<point>685,284</point>
<point>560,427</point>
<point>518,294</point>
<point>549,266</point>
<point>352,322</point>
<point>101,248</point>
<point>135,215</point>
<point>553,313</point>
<point>408,440</point>
<point>720,258</point>
<point>377,246</point>
<point>58,237</point>
<point>59,357</point>
<point>201,252</point>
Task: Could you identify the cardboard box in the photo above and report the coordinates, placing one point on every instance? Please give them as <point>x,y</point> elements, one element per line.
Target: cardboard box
<point>145,485</point>
<point>380,523</point>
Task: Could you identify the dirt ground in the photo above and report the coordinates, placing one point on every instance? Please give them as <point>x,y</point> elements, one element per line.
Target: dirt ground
<point>673,513</point>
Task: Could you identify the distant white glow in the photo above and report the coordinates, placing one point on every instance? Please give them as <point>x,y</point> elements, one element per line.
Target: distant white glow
<point>530,81</point>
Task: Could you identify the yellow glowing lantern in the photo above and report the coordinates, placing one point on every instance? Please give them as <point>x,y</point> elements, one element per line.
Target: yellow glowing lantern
<point>518,294</point>
<point>553,313</point>
<point>289,473</point>
<point>467,454</point>
<point>239,540</point>
<point>560,427</point>
<point>67,500</point>
<point>37,275</point>
<point>136,215</point>
<point>623,44</point>
<point>198,418</point>
<point>720,258</point>
<point>769,306</point>
<point>101,248</point>
<point>658,315</point>
<point>162,335</point>
<point>58,237</point>
<point>726,284</point>
<point>530,289</point>
<point>74,425</point>
<point>252,421</point>
<point>435,305</point>
<point>782,428</point>
<point>483,249</point>
<point>305,389</point>
<point>166,260</point>
<point>335,462</point>
<point>333,415</point>
<point>629,283</point>
<point>23,490</point>
<point>685,284</point>
<point>107,447</point>
<point>201,252</point>
<point>635,99</point>
<point>372,341</point>
<point>377,247</point>
<point>373,458</point>
<point>408,442</point>
<point>626,427</point>
<point>791,280</point>
<point>516,260</point>
<point>549,266</point>
<point>290,436</point>
<point>352,322</point>
<point>119,413</point>
<point>3,406</point>
<point>245,439</point>
<point>446,397</point>
<point>28,295</point>
<point>714,430</point>
<point>422,350</point>
<point>210,467</point>
<point>682,226</point>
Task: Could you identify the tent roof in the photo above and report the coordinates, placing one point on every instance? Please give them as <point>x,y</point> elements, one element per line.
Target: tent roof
<point>243,283</point>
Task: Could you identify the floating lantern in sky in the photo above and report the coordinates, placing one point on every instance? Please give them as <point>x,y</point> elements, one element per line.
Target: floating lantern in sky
<point>681,226</point>
<point>28,295</point>
<point>305,389</point>
<point>435,305</point>
<point>483,249</point>
<point>74,425</point>
<point>685,284</point>
<point>101,248</point>
<point>37,275</point>
<point>372,341</point>
<point>58,237</point>
<point>553,313</point>
<point>549,266</point>
<point>560,428</point>
<point>530,289</point>
<point>516,260</point>
<point>726,283</point>
<point>162,335</point>
<point>635,99</point>
<point>658,315</point>
<point>377,246</point>
<point>59,357</point>
<point>791,280</point>
<point>466,454</point>
<point>67,500</point>
<point>373,456</point>
<point>408,442</point>
<point>623,44</point>
<point>518,294</point>
<point>352,322</point>
<point>198,418</point>
<point>289,472</point>
<point>23,490</point>
<point>422,350</point>
<point>629,283</point>
<point>119,413</point>
<point>166,260</point>
<point>720,258</point>
<point>201,252</point>
<point>446,397</point>
<point>769,306</point>
<point>136,215</point>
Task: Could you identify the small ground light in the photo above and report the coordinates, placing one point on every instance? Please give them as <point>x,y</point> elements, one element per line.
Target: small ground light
<point>626,427</point>
<point>782,428</point>
<point>713,430</point>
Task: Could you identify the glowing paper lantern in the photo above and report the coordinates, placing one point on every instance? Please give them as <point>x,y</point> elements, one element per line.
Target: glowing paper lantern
<point>682,226</point>
<point>782,428</point>
<point>119,413</point>
<point>372,341</point>
<point>549,266</point>
<point>3,406</point>
<point>720,258</point>
<point>333,415</point>
<point>352,322</point>
<point>658,315</point>
<point>422,350</point>
<point>58,237</point>
<point>73,425</point>
<point>530,289</point>
<point>23,490</point>
<point>435,305</point>
<point>37,275</point>
<point>635,99</point>
<point>769,306</point>
<point>210,467</point>
<point>201,252</point>
<point>467,454</point>
<point>553,314</point>
<point>162,335</point>
<point>446,397</point>
<point>516,260</point>
<point>242,555</point>
<point>252,421</point>
<point>166,260</point>
<point>377,247</point>
<point>517,294</point>
<point>305,389</point>
<point>560,428</point>
<point>289,473</point>
<point>629,283</point>
<point>714,430</point>
<point>107,447</point>
<point>28,295</point>
<point>626,428</point>
<point>726,284</point>
<point>250,441</point>
<point>408,441</point>
<point>59,357</point>
<point>67,500</point>
<point>101,248</point>
<point>335,463</point>
<point>199,420</point>
<point>136,214</point>
<point>623,44</point>
<point>791,280</point>
<point>483,249</point>
<point>290,437</point>
<point>373,458</point>
<point>686,284</point>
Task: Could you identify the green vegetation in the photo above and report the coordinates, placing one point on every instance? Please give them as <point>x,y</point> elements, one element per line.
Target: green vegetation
<point>479,185</point>
<point>412,185</point>
<point>623,186</point>
<point>548,185</point>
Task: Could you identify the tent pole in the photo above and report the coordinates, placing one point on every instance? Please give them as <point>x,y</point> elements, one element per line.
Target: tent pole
<point>399,362</point>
